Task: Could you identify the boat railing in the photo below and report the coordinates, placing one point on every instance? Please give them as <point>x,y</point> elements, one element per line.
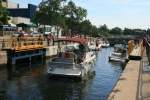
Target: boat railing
<point>65,64</point>
<point>61,63</point>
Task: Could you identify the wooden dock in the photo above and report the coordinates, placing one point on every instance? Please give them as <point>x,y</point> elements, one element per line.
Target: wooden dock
<point>22,48</point>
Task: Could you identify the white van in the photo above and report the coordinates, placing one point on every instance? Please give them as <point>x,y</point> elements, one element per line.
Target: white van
<point>49,30</point>
<point>45,29</point>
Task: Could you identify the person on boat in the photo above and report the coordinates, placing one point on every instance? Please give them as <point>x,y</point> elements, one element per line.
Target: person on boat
<point>81,53</point>
<point>50,38</point>
<point>97,43</point>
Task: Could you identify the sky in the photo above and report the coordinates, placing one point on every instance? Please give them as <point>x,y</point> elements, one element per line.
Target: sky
<point>113,13</point>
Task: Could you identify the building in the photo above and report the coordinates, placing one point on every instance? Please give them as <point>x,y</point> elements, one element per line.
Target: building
<point>12,5</point>
<point>19,15</point>
<point>22,15</point>
<point>4,3</point>
<point>9,4</point>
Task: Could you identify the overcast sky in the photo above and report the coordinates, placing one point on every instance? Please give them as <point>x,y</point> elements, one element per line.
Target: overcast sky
<point>121,13</point>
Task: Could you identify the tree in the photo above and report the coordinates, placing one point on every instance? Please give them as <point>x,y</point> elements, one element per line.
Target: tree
<point>74,15</point>
<point>103,30</point>
<point>85,27</point>
<point>127,31</point>
<point>50,13</point>
<point>148,31</point>
<point>116,31</point>
<point>3,14</point>
<point>40,18</point>
<point>60,14</point>
<point>139,32</point>
<point>94,31</point>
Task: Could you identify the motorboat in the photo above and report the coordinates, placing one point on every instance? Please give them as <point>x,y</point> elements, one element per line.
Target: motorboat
<point>105,44</point>
<point>95,46</point>
<point>76,61</point>
<point>117,57</point>
<point>119,54</point>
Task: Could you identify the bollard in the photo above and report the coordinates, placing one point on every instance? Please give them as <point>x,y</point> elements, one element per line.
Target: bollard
<point>2,95</point>
<point>3,44</point>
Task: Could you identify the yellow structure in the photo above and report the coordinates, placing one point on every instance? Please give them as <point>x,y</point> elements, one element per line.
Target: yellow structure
<point>24,43</point>
<point>130,46</point>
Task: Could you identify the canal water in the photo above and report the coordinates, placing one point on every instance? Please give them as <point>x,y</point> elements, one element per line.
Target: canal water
<point>34,84</point>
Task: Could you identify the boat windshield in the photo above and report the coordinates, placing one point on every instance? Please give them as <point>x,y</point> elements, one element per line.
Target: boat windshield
<point>62,60</point>
<point>116,54</point>
<point>71,48</point>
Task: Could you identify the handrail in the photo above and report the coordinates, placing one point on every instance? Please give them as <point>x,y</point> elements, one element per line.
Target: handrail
<point>147,41</point>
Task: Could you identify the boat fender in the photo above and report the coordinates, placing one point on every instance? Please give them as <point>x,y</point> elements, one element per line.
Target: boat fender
<point>51,68</point>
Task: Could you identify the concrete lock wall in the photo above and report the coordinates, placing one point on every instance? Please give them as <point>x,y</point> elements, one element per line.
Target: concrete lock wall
<point>3,57</point>
<point>127,85</point>
<point>51,50</point>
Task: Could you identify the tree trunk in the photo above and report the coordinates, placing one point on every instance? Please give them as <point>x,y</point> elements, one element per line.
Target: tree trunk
<point>58,29</point>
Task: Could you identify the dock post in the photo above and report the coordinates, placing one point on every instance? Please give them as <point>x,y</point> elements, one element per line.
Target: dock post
<point>13,64</point>
<point>30,62</point>
<point>42,59</point>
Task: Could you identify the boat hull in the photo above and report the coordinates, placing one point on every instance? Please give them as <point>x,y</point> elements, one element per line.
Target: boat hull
<point>117,59</point>
<point>59,76</point>
<point>79,73</point>
<point>105,46</point>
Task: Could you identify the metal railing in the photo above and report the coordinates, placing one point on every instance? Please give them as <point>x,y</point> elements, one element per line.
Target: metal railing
<point>11,43</point>
<point>147,45</point>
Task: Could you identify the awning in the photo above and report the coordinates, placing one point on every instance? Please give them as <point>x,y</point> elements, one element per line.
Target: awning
<point>26,25</point>
<point>11,24</point>
<point>22,25</point>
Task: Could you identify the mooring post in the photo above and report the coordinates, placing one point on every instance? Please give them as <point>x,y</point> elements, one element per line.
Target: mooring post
<point>30,62</point>
<point>13,64</point>
<point>42,58</point>
<point>3,44</point>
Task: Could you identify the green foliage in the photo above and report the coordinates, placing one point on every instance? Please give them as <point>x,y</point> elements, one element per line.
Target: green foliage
<point>3,14</point>
<point>74,15</point>
<point>50,13</point>
<point>127,31</point>
<point>72,18</point>
<point>148,31</point>
<point>60,13</point>
<point>103,30</point>
<point>116,31</point>
<point>85,27</point>
<point>94,31</point>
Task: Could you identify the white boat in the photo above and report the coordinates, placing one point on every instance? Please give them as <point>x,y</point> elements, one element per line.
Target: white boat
<point>76,63</point>
<point>98,47</point>
<point>118,55</point>
<point>105,44</point>
<point>94,46</point>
